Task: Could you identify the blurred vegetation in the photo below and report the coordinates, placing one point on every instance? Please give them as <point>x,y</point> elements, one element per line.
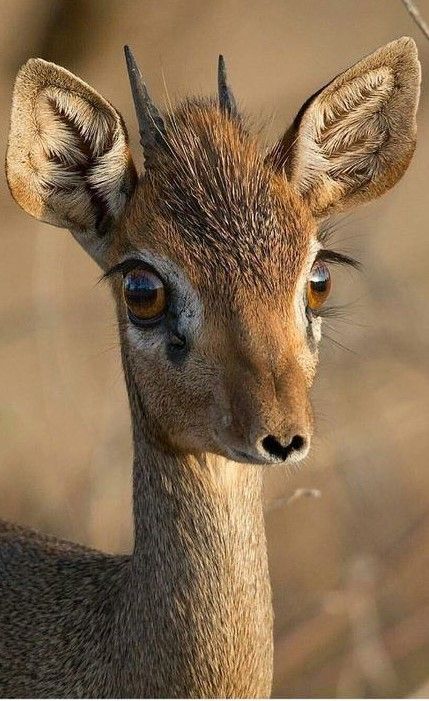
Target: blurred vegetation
<point>350,570</point>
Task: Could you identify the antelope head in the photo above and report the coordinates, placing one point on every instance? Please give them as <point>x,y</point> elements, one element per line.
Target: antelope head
<point>214,253</point>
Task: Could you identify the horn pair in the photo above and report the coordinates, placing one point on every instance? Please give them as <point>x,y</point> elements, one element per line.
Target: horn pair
<point>151,124</point>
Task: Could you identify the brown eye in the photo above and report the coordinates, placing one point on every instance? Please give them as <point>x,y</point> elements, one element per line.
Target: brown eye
<point>318,285</point>
<point>145,296</point>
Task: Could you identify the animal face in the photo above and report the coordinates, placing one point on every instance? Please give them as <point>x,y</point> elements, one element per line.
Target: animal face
<point>214,254</point>
<point>231,247</point>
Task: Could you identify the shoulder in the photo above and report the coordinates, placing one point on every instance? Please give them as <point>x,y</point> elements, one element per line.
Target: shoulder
<point>20,538</point>
<point>26,552</point>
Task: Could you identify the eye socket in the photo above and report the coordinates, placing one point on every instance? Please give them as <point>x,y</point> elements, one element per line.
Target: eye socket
<point>318,286</point>
<point>145,296</point>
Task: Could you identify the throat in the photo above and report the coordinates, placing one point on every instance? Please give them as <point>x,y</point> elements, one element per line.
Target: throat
<point>199,600</point>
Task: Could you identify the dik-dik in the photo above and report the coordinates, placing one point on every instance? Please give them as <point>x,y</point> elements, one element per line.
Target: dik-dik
<point>220,274</point>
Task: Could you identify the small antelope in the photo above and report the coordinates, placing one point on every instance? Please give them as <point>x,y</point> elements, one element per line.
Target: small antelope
<point>220,270</point>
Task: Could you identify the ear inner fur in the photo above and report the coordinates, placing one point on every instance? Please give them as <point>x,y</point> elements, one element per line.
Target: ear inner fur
<point>354,138</point>
<point>68,161</point>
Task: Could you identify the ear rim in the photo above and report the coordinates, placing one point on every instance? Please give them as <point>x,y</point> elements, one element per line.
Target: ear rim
<point>35,76</point>
<point>400,56</point>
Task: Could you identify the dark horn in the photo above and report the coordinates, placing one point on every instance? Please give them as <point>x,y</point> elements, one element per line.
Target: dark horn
<point>151,125</point>
<point>226,98</point>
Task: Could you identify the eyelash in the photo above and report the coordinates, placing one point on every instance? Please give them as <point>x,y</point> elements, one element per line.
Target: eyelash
<point>126,267</point>
<point>324,254</point>
<point>327,255</point>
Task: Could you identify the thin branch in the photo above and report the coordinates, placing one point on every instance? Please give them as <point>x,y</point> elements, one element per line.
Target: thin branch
<point>298,494</point>
<point>415,14</point>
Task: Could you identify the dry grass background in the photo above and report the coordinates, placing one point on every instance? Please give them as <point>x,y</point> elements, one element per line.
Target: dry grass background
<point>350,570</point>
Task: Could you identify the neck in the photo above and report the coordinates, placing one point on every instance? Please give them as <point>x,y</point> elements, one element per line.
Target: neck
<point>198,604</point>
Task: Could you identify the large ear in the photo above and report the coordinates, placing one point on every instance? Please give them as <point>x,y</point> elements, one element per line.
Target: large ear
<point>68,161</point>
<point>354,139</point>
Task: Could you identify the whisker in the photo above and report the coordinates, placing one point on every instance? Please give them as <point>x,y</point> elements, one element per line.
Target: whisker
<point>337,313</point>
<point>337,343</point>
<point>331,226</point>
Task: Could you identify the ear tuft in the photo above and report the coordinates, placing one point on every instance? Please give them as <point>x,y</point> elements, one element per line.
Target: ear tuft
<point>68,161</point>
<point>354,139</point>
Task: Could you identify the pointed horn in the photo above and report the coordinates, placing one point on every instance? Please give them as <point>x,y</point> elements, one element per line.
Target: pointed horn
<point>226,98</point>
<point>151,125</point>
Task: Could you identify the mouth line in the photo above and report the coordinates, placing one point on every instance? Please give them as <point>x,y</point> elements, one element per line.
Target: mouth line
<point>252,459</point>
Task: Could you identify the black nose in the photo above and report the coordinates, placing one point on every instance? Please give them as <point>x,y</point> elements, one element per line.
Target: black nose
<point>282,450</point>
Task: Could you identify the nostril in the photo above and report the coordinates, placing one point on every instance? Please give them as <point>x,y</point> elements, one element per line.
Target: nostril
<point>297,443</point>
<point>283,450</point>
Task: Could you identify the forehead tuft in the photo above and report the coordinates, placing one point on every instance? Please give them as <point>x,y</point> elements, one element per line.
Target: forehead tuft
<point>220,205</point>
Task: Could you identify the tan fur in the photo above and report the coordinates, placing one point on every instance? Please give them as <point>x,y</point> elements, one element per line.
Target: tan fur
<point>233,235</point>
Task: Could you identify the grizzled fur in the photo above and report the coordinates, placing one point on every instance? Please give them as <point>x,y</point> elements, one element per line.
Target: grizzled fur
<point>186,615</point>
<point>234,232</point>
<point>216,190</point>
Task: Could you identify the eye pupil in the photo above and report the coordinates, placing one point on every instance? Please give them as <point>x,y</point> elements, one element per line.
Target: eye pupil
<point>145,295</point>
<point>318,286</point>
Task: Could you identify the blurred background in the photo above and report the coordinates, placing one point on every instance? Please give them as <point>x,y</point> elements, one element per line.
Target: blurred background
<point>350,566</point>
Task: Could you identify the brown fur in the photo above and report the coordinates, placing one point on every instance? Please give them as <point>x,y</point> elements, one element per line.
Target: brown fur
<point>234,234</point>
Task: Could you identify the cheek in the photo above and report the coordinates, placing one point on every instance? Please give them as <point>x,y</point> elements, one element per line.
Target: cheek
<point>178,398</point>
<point>308,361</point>
<point>144,346</point>
<point>316,329</point>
